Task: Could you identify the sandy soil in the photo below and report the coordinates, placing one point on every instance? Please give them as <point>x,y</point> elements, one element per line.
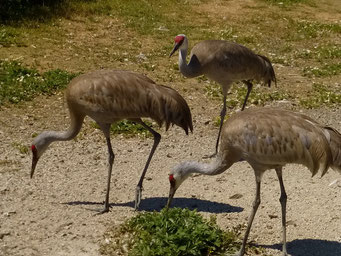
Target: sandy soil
<point>53,214</point>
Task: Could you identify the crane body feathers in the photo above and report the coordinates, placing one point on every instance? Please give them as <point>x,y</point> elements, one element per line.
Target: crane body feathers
<point>268,138</point>
<point>226,62</point>
<point>108,96</point>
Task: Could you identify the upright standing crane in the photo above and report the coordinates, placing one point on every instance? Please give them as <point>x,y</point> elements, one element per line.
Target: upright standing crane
<point>108,96</point>
<point>268,138</point>
<point>224,62</point>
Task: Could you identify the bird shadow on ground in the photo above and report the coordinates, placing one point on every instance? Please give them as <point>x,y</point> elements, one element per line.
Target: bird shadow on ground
<point>158,203</point>
<point>309,247</point>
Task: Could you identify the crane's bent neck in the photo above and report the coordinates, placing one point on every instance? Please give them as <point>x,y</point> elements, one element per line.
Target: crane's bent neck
<point>215,167</point>
<point>192,69</point>
<point>43,140</point>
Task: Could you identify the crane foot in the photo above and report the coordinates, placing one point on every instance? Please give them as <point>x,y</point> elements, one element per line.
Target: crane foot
<point>209,156</point>
<point>138,195</point>
<point>105,210</point>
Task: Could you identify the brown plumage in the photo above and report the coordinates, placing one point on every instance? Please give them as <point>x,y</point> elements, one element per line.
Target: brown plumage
<point>108,96</point>
<point>268,138</point>
<point>224,62</point>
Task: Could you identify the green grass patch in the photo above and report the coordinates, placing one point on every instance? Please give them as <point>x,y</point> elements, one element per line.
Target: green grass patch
<point>258,96</point>
<point>176,232</point>
<point>128,128</point>
<point>19,83</point>
<point>325,52</point>
<point>323,71</point>
<point>152,17</point>
<point>321,95</point>
<point>23,149</point>
<point>10,36</point>
<point>312,29</point>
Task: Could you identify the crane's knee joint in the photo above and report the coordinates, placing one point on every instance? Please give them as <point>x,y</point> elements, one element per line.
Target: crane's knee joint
<point>283,198</point>
<point>111,157</point>
<point>222,113</point>
<point>157,137</point>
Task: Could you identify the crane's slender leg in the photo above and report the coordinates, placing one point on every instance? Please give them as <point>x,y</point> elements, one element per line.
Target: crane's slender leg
<point>106,130</point>
<point>283,200</point>
<point>157,138</point>
<point>249,88</point>
<point>255,205</point>
<point>222,117</point>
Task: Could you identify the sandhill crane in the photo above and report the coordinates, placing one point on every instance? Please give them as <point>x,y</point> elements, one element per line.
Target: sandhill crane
<point>224,62</point>
<point>268,138</point>
<point>108,96</point>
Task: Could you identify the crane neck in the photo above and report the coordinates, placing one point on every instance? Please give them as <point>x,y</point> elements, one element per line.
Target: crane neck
<point>215,167</point>
<point>192,69</point>
<point>43,140</point>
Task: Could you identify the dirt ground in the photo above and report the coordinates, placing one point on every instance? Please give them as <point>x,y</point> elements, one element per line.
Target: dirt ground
<point>53,214</point>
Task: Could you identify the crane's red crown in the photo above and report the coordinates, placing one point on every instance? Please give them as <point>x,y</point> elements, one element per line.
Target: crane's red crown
<point>179,39</point>
<point>33,148</point>
<point>171,178</point>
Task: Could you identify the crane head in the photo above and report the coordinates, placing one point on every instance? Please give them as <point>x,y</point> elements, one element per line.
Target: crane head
<point>35,159</point>
<point>178,41</point>
<point>39,146</point>
<point>178,175</point>
<point>172,189</point>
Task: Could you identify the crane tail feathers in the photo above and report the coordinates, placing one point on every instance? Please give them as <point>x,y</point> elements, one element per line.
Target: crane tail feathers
<point>335,147</point>
<point>175,110</point>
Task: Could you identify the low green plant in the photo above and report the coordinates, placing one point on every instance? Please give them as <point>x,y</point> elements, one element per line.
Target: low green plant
<point>323,71</point>
<point>308,29</point>
<point>258,96</point>
<point>23,149</point>
<point>10,36</point>
<point>321,52</point>
<point>128,128</point>
<point>321,95</point>
<point>172,232</point>
<point>19,83</point>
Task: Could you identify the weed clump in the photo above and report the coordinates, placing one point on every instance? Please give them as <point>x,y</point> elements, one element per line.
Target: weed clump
<point>175,232</point>
<point>18,83</point>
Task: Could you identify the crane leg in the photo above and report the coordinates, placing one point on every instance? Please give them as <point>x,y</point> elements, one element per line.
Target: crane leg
<point>222,117</point>
<point>111,162</point>
<point>157,138</point>
<point>249,88</point>
<point>283,200</point>
<point>255,206</point>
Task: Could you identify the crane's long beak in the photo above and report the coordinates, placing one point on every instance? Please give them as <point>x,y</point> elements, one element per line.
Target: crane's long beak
<point>172,191</point>
<point>35,159</point>
<point>176,47</point>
